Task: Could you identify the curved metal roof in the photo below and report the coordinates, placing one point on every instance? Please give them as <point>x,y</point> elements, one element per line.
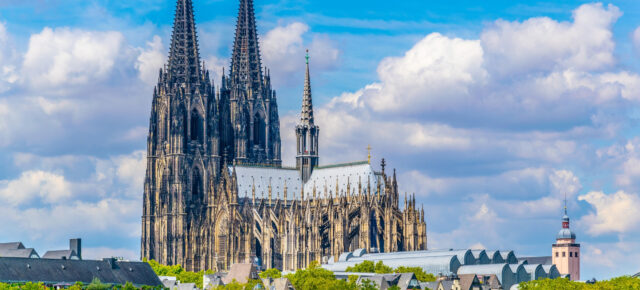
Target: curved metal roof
<point>535,272</point>
<point>551,271</point>
<point>430,264</point>
<point>509,257</point>
<point>464,256</point>
<point>495,257</point>
<point>502,271</point>
<point>481,257</point>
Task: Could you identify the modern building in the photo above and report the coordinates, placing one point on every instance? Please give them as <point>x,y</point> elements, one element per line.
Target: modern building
<point>565,253</point>
<point>215,190</point>
<point>446,263</point>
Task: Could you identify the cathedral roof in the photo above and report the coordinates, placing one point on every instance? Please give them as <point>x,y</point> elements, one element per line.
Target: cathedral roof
<point>262,177</point>
<point>343,174</point>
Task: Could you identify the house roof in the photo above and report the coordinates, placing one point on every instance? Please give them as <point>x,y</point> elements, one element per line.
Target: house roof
<point>11,246</point>
<point>19,253</point>
<point>466,280</point>
<point>61,255</point>
<point>13,270</point>
<point>241,272</point>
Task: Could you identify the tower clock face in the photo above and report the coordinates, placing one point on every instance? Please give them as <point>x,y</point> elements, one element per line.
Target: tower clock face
<point>565,225</point>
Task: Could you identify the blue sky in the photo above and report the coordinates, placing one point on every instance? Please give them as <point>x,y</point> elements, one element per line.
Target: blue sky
<point>490,112</point>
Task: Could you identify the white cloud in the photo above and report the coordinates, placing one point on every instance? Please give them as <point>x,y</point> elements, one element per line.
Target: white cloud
<point>283,50</point>
<point>564,182</point>
<point>543,44</point>
<point>151,60</point>
<point>614,213</point>
<point>635,39</point>
<point>64,57</point>
<point>46,186</point>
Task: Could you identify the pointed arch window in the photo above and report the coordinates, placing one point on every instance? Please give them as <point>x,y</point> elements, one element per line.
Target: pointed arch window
<point>196,185</point>
<point>259,130</point>
<point>197,126</point>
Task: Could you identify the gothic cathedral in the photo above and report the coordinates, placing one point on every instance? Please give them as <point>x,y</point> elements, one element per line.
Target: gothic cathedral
<point>215,190</point>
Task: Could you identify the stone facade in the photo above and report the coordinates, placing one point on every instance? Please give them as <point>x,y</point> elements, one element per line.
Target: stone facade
<point>210,151</point>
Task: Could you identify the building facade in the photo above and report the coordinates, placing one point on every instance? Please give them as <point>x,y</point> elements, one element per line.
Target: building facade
<point>215,190</point>
<point>565,253</point>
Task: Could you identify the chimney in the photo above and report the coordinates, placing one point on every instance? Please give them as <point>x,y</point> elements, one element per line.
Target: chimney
<point>76,246</point>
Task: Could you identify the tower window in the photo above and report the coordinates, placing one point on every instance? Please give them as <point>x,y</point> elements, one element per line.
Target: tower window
<point>557,254</point>
<point>571,254</point>
<point>576,255</point>
<point>564,254</point>
<point>196,127</point>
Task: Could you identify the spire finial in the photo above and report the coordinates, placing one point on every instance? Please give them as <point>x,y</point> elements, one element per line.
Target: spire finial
<point>565,203</point>
<point>307,103</point>
<point>369,154</point>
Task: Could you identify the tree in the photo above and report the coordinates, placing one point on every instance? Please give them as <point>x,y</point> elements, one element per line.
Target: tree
<point>272,273</point>
<point>624,282</point>
<point>97,285</point>
<point>128,286</point>
<point>364,267</point>
<point>381,268</point>
<point>421,275</point>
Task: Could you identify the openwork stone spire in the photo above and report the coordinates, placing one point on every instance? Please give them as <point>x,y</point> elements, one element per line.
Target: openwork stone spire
<point>184,58</point>
<point>246,69</point>
<point>307,102</point>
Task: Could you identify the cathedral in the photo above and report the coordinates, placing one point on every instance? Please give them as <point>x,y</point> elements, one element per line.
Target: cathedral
<point>216,192</point>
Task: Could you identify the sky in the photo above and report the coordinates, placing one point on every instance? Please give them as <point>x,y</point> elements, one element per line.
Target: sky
<point>491,112</point>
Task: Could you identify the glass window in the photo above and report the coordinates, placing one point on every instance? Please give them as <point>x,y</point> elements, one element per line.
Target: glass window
<point>564,254</point>
<point>576,255</point>
<point>557,254</point>
<point>571,254</point>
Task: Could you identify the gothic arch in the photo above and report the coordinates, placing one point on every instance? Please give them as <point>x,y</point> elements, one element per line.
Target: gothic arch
<point>259,129</point>
<point>197,126</point>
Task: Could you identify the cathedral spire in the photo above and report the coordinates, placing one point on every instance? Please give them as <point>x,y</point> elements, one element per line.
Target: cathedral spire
<point>246,67</point>
<point>184,57</point>
<point>307,103</point>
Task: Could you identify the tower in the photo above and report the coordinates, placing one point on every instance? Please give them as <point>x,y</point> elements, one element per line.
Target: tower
<point>249,111</point>
<point>565,253</point>
<point>183,157</point>
<point>307,133</point>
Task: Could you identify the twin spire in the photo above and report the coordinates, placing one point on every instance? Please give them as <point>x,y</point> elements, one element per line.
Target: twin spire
<point>246,67</point>
<point>184,57</point>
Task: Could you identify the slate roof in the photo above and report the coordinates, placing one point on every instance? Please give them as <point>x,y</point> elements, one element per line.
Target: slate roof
<point>49,271</point>
<point>551,271</point>
<point>11,246</point>
<point>61,255</point>
<point>19,253</point>
<point>637,275</point>
<point>542,260</point>
<point>467,280</point>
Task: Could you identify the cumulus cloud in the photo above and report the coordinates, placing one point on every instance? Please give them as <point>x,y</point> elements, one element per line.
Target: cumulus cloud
<point>614,213</point>
<point>64,57</point>
<point>283,50</point>
<point>151,60</point>
<point>45,186</point>
<point>43,206</point>
<point>543,44</point>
